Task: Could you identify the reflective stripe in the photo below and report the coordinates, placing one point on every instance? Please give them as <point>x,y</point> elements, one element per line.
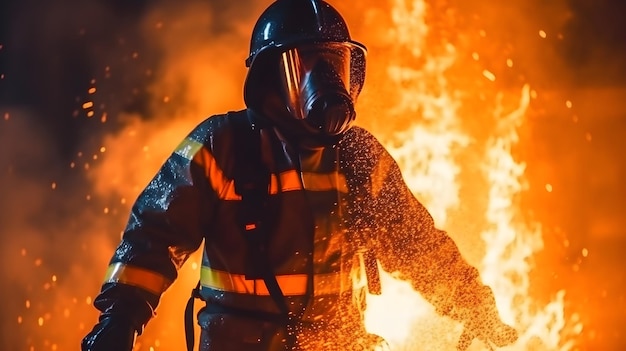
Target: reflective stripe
<point>223,187</point>
<point>135,276</point>
<point>379,174</point>
<point>288,181</point>
<point>188,148</point>
<point>291,285</point>
<point>325,181</point>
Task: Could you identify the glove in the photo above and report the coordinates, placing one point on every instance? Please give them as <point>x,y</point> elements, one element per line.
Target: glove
<point>113,332</point>
<point>482,320</point>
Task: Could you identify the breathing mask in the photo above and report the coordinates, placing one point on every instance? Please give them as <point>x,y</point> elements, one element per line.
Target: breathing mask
<point>315,82</point>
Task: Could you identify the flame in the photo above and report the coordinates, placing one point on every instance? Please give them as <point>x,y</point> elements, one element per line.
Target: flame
<point>431,162</point>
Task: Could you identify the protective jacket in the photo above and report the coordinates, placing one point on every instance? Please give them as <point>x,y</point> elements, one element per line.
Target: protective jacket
<point>322,208</point>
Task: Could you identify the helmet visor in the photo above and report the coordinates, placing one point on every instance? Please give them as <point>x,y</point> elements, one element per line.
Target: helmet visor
<point>311,71</point>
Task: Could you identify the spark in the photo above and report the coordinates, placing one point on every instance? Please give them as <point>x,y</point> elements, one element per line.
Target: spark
<point>489,75</point>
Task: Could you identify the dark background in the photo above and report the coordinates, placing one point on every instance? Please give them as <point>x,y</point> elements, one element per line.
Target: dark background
<point>51,51</point>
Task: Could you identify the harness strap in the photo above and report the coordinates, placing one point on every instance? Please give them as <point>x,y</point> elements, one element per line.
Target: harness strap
<point>189,330</point>
<point>252,180</point>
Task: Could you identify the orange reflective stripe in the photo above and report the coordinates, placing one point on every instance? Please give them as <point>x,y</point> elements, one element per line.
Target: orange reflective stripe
<point>135,276</point>
<point>289,181</point>
<point>196,152</point>
<point>286,181</point>
<point>325,181</point>
<point>379,174</point>
<point>291,284</point>
<point>223,187</point>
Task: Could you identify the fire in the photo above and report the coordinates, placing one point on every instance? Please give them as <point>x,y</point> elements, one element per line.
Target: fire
<point>431,162</point>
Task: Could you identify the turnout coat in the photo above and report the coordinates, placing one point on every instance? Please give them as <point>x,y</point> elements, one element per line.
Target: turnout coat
<point>322,211</point>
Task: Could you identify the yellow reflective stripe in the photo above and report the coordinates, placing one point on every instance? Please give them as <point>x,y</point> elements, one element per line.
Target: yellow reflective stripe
<point>135,276</point>
<point>289,180</point>
<point>188,148</point>
<point>325,181</point>
<point>290,285</point>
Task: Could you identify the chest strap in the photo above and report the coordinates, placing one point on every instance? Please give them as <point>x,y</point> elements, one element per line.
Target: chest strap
<point>252,180</point>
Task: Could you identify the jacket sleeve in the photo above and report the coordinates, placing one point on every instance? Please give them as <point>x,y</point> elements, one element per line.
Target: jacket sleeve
<point>167,223</point>
<point>406,240</point>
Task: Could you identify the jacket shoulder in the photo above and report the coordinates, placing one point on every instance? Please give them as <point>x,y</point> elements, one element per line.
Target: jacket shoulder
<point>359,141</point>
<point>214,126</point>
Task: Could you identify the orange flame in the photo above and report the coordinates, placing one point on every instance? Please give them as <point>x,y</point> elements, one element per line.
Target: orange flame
<point>429,157</point>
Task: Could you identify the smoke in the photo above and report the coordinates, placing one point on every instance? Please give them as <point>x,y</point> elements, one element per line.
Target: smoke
<point>46,269</point>
<point>116,88</point>
<point>201,72</point>
<point>47,222</point>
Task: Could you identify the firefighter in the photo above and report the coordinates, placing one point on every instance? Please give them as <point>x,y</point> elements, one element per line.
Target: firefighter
<point>291,200</point>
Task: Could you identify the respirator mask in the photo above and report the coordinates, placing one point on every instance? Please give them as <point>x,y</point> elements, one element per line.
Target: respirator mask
<point>315,88</point>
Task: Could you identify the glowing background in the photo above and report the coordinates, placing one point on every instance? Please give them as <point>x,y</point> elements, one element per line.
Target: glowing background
<point>482,104</point>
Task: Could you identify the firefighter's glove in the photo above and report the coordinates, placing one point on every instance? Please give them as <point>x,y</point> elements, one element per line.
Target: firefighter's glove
<point>481,320</point>
<point>113,332</point>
